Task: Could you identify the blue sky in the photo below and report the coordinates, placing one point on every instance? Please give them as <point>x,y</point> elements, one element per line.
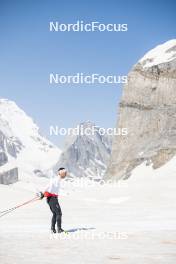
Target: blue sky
<point>29,52</point>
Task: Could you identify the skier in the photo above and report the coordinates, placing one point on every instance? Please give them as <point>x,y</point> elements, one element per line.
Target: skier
<point>51,194</point>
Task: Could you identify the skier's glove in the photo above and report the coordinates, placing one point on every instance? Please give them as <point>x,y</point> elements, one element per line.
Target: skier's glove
<point>40,195</point>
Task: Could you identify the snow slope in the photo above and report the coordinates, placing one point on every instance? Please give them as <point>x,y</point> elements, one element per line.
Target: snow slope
<point>160,54</point>
<point>132,222</point>
<point>36,152</point>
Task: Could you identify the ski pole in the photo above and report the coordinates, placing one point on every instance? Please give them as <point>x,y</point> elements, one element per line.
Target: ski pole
<point>18,206</point>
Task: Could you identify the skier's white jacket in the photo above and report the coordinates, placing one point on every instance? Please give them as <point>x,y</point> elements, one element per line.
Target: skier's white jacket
<point>53,187</point>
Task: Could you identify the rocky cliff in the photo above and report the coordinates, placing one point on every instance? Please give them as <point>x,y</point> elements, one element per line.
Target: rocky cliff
<point>9,147</point>
<point>148,111</point>
<point>9,176</point>
<point>86,155</point>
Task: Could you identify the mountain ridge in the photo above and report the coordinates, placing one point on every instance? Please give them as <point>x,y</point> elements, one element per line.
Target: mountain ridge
<point>148,107</point>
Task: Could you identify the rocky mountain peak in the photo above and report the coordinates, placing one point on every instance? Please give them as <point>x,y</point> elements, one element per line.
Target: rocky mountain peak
<point>86,154</point>
<point>148,111</point>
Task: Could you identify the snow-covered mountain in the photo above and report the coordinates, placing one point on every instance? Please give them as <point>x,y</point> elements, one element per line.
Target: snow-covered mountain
<point>21,144</point>
<point>160,54</point>
<point>148,111</point>
<point>86,155</point>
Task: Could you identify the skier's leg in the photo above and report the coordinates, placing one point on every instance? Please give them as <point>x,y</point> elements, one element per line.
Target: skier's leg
<point>56,208</point>
<point>53,222</point>
<point>51,203</point>
<point>59,216</point>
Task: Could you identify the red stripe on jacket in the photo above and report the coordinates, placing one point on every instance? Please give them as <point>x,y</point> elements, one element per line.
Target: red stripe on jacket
<point>47,194</point>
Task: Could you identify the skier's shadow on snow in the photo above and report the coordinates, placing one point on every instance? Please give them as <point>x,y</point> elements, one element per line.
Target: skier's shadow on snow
<point>80,229</point>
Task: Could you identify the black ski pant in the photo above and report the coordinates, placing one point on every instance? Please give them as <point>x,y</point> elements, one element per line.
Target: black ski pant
<point>56,211</point>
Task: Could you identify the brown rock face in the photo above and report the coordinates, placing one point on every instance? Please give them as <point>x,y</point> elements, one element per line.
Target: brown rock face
<point>148,111</point>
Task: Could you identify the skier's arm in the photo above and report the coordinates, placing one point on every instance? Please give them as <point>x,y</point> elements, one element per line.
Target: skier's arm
<point>41,194</point>
<point>47,188</point>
